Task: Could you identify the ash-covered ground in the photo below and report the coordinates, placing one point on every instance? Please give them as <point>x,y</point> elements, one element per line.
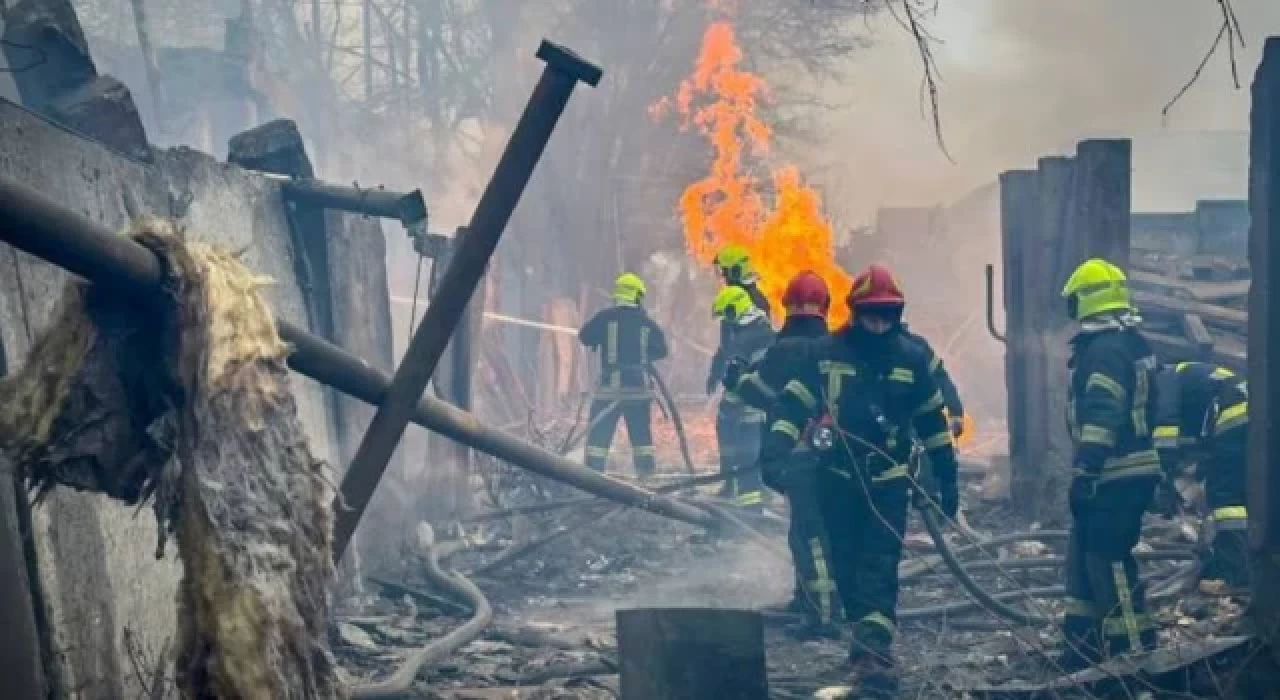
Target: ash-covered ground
<point>554,603</point>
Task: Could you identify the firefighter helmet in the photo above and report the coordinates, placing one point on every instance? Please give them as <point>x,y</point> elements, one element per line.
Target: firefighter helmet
<point>735,263</point>
<point>876,286</point>
<point>1096,287</point>
<point>629,289</point>
<point>732,303</point>
<point>807,295</point>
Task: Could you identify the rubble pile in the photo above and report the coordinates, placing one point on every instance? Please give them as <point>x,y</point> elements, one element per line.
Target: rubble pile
<point>554,603</point>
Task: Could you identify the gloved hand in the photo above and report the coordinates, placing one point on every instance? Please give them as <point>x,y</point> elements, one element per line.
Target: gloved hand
<point>1084,486</point>
<point>733,372</point>
<point>957,426</point>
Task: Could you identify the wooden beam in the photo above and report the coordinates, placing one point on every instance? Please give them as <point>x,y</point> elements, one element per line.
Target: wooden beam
<point>1264,345</point>
<point>1193,327</point>
<point>1233,319</point>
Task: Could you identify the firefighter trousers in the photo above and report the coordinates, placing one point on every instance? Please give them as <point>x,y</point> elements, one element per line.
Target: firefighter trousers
<point>815,587</point>
<point>1106,600</point>
<point>738,435</point>
<point>865,521</point>
<point>604,416</point>
<point>1228,524</point>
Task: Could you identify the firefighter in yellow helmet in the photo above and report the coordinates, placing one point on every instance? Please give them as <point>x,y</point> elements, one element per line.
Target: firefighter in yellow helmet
<point>745,337</point>
<point>734,265</point>
<point>627,342</point>
<point>1115,468</point>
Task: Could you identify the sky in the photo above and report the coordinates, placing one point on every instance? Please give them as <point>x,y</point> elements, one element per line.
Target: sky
<point>1026,78</point>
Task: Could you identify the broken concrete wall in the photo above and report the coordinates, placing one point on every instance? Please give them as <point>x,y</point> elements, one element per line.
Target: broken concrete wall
<point>110,603</point>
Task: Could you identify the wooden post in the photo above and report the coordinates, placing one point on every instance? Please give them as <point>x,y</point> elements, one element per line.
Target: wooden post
<point>1019,199</point>
<point>691,654</point>
<point>1264,344</point>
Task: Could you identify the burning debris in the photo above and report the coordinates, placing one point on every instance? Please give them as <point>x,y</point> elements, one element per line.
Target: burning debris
<point>189,405</point>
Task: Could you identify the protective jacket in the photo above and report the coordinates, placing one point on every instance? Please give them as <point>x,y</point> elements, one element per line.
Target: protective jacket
<point>627,340</point>
<point>950,394</point>
<point>748,341</point>
<point>1110,401</point>
<point>761,382</point>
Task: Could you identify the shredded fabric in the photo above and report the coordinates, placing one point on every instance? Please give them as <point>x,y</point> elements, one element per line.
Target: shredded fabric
<point>188,404</point>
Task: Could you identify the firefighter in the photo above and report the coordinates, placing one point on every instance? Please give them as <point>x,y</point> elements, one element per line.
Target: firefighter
<point>876,387</point>
<point>1203,415</point>
<point>950,394</point>
<point>734,267</point>
<point>807,301</point>
<point>1115,468</point>
<point>746,335</point>
<point>627,341</point>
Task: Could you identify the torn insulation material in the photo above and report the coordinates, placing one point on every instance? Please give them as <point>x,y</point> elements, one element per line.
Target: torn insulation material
<point>188,404</point>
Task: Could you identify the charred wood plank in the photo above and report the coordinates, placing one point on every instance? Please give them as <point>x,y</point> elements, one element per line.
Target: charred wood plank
<point>1232,319</point>
<point>691,654</point>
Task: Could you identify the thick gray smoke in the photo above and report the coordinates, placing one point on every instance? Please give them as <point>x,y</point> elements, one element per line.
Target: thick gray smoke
<point>1025,78</point>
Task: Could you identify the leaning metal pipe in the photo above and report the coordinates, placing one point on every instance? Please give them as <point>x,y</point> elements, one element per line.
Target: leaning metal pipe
<point>467,264</point>
<point>408,208</point>
<point>991,304</point>
<point>35,224</point>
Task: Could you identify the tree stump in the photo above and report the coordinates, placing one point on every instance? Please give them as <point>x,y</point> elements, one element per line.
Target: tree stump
<point>691,654</point>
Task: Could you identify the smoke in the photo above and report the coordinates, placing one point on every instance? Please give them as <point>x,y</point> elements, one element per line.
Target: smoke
<point>1025,78</point>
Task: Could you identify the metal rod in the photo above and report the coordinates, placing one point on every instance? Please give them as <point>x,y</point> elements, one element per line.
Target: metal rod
<point>467,264</point>
<point>35,224</point>
<point>407,208</point>
<point>991,304</point>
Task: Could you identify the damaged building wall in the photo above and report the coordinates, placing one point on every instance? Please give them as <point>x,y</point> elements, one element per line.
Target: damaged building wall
<point>109,602</point>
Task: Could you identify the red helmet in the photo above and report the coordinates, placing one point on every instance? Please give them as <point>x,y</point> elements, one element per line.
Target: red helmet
<point>807,295</point>
<point>876,286</point>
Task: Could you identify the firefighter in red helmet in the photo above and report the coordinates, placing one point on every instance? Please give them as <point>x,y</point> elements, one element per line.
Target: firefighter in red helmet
<point>807,301</point>
<point>876,386</point>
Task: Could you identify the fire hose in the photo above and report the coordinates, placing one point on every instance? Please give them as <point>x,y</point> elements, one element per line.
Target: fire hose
<point>674,413</point>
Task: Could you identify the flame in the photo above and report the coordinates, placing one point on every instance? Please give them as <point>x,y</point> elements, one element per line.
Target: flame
<point>779,221</point>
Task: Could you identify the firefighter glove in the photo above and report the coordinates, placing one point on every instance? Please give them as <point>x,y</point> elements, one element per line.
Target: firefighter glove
<point>733,372</point>
<point>1084,486</point>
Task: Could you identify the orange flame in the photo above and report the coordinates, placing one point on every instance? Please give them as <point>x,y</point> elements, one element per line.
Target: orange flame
<point>784,234</point>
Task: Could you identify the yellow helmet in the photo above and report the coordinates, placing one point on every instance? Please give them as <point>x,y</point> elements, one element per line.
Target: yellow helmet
<point>1096,287</point>
<point>731,304</point>
<point>629,289</point>
<point>734,261</point>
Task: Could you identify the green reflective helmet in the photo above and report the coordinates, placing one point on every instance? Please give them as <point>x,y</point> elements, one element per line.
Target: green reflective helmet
<point>1096,287</point>
<point>629,289</point>
<point>731,304</point>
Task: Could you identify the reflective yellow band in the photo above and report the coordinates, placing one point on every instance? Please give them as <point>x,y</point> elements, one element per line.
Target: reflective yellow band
<point>833,367</point>
<point>823,585</point>
<point>611,344</point>
<point>749,498</point>
<point>1231,417</point>
<point>1128,615</point>
<point>1097,435</point>
<point>644,451</point>
<point>933,403</point>
<point>787,428</point>
<point>1229,513</point>
<point>1138,464</point>
<point>1166,431</point>
<point>935,364</point>
<point>899,374</point>
<point>898,472</point>
<point>1119,626</point>
<point>1221,373</point>
<point>1166,437</point>
<point>801,393</point>
<point>597,452</point>
<point>934,442</point>
<point>754,381</point>
<point>731,396</point>
<point>879,620</point>
<point>753,417</point>
<point>1107,384</point>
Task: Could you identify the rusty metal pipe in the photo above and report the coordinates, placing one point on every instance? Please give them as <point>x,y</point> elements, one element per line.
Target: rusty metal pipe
<point>467,264</point>
<point>408,209</point>
<point>991,304</point>
<point>32,222</point>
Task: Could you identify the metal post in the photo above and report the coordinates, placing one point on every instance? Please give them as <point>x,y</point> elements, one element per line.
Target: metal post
<point>35,224</point>
<point>466,267</point>
<point>408,208</point>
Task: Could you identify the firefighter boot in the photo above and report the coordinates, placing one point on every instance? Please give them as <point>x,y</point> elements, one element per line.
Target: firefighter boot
<point>1081,645</point>
<point>873,677</point>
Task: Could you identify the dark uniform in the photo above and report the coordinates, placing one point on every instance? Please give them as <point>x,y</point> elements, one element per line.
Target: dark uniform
<point>950,394</point>
<point>1109,411</point>
<point>1203,415</point>
<point>627,341</point>
<point>739,427</point>
<point>815,588</point>
<point>878,391</point>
